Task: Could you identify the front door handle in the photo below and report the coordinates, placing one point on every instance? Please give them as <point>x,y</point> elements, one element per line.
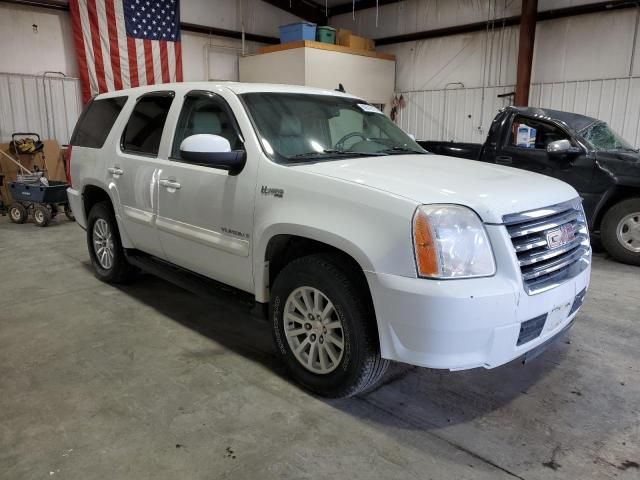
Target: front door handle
<point>115,171</point>
<point>504,160</point>
<point>170,184</point>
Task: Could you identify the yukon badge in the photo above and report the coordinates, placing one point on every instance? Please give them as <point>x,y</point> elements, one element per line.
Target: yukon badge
<point>276,192</point>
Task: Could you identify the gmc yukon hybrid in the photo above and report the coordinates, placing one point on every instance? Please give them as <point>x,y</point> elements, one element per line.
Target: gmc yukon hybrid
<point>582,151</point>
<point>364,247</point>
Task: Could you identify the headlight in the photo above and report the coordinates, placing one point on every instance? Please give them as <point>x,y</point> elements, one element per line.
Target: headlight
<point>450,241</point>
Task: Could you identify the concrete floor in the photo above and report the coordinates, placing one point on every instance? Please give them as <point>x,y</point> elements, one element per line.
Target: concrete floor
<point>151,382</point>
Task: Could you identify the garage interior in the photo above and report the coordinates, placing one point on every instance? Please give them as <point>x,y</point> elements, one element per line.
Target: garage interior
<point>149,380</point>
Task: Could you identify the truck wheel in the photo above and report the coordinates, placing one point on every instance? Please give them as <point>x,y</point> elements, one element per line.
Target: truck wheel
<point>41,215</point>
<point>620,231</point>
<point>324,328</point>
<point>17,213</point>
<point>105,249</point>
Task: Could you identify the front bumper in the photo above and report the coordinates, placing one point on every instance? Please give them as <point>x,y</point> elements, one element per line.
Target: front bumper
<point>462,324</point>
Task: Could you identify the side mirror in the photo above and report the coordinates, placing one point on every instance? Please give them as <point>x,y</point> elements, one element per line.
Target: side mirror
<point>561,148</point>
<point>212,151</point>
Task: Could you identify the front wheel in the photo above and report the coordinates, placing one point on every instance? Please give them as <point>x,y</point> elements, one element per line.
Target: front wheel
<point>620,231</point>
<point>105,249</point>
<point>17,213</point>
<point>324,327</point>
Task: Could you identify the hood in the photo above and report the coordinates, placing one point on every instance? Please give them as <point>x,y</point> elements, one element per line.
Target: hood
<point>491,190</point>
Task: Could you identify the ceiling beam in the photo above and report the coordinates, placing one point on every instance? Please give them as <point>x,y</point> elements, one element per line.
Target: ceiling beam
<point>360,5</point>
<point>51,4</point>
<point>185,26</point>
<point>509,21</point>
<point>305,9</point>
<point>223,32</point>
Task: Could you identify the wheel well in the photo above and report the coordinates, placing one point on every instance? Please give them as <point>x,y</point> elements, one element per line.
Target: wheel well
<point>92,195</point>
<point>283,249</point>
<point>620,193</point>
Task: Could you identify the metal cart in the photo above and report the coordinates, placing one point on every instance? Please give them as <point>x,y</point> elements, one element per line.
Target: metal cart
<point>32,192</point>
<point>44,201</point>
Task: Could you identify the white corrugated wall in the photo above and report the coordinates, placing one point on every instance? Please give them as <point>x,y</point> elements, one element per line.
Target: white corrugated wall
<point>458,114</point>
<point>46,105</point>
<point>586,64</point>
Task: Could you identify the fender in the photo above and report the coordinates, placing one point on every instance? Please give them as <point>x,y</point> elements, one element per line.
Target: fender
<point>260,273</point>
<point>112,191</point>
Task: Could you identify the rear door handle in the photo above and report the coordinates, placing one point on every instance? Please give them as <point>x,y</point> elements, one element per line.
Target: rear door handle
<point>115,171</point>
<point>170,184</point>
<point>504,160</point>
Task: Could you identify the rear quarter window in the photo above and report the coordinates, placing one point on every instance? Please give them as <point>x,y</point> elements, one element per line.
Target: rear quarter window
<point>96,121</point>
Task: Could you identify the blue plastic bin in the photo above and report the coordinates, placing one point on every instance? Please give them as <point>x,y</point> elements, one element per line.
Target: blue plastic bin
<point>297,31</point>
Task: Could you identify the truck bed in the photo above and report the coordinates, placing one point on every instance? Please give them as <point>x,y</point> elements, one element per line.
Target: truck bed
<point>453,149</point>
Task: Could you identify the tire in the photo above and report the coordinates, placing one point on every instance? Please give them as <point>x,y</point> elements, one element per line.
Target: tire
<point>356,367</point>
<point>106,253</point>
<point>17,213</point>
<point>69,213</point>
<point>620,231</point>
<point>41,215</point>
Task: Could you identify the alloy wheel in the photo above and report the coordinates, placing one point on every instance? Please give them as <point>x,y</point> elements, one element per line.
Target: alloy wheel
<point>313,330</point>
<point>103,243</point>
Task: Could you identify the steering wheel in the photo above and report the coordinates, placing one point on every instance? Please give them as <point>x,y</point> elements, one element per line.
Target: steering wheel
<point>340,143</point>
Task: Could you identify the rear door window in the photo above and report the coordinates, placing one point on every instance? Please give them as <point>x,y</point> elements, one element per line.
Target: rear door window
<point>143,132</point>
<point>96,122</point>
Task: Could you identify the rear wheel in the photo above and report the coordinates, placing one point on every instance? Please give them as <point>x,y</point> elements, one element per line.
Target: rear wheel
<point>620,231</point>
<point>324,327</point>
<point>17,213</point>
<point>41,215</point>
<point>69,213</point>
<point>105,249</point>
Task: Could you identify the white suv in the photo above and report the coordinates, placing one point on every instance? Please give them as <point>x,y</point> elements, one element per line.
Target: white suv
<point>365,247</point>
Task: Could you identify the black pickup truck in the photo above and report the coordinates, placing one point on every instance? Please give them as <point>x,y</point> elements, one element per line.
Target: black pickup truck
<point>582,151</point>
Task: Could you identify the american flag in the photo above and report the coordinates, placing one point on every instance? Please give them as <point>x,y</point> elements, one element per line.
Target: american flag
<point>126,43</point>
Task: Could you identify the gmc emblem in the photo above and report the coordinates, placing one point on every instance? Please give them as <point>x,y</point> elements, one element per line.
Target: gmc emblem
<point>560,236</point>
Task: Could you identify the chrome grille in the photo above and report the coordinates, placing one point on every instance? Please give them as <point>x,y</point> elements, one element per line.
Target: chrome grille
<point>551,244</point>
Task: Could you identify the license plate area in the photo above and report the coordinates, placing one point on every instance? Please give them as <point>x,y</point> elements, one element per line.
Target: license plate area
<point>556,316</point>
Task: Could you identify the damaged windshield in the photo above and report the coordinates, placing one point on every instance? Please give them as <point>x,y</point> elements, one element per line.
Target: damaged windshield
<point>302,127</point>
<point>602,137</point>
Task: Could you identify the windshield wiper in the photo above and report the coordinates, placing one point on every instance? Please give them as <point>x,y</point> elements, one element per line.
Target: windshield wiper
<point>332,153</point>
<point>627,149</point>
<point>402,150</point>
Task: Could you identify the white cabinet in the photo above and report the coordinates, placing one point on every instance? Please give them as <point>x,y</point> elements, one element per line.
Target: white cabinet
<point>366,74</point>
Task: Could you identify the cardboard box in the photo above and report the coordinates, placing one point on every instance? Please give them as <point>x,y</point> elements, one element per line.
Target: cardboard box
<point>345,38</point>
<point>342,37</point>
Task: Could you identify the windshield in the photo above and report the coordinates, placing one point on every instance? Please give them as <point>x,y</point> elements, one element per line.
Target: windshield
<point>302,127</point>
<point>601,137</point>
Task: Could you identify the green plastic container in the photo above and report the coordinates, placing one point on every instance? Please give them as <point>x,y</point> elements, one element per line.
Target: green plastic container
<point>326,35</point>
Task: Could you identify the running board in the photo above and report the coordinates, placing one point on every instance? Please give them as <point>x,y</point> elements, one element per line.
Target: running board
<point>197,284</point>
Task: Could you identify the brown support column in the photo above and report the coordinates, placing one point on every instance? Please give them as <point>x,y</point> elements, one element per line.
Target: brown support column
<point>525,51</point>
